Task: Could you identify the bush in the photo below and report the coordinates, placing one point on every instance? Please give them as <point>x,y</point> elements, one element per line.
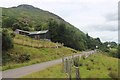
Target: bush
<point>76,61</point>
<point>7,42</point>
<point>80,63</point>
<point>23,57</point>
<point>110,68</point>
<point>83,57</point>
<point>90,67</point>
<point>113,74</point>
<point>92,60</point>
<point>12,35</point>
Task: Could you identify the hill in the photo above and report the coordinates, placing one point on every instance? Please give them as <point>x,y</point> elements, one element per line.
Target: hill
<point>27,17</point>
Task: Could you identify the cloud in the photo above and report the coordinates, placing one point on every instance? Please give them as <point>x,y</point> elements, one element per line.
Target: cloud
<point>112,16</point>
<point>105,35</point>
<point>106,26</point>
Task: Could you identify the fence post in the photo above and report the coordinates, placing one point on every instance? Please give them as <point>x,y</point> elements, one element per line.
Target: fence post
<point>77,73</point>
<point>76,64</point>
<point>69,69</point>
<point>66,65</point>
<point>63,64</point>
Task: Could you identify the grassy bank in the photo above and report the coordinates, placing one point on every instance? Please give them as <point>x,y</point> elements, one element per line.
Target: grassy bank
<point>96,66</point>
<point>28,51</point>
<point>27,41</point>
<point>37,55</point>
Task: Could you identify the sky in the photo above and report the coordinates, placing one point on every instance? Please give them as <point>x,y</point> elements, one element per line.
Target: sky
<point>98,18</point>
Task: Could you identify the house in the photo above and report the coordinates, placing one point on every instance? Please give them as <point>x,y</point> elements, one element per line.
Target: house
<point>35,34</point>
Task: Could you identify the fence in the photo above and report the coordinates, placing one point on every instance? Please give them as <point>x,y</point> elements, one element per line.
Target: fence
<point>68,63</point>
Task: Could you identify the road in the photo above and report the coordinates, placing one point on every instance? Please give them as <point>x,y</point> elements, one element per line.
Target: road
<point>19,72</point>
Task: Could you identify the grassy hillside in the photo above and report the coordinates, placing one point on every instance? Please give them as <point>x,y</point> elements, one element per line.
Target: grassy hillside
<point>30,18</point>
<point>95,66</point>
<point>26,52</point>
<point>35,15</point>
<point>27,41</point>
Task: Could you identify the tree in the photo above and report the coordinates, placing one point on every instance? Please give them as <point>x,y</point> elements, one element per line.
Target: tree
<point>59,32</point>
<point>53,25</point>
<point>8,22</point>
<point>7,42</point>
<point>15,26</point>
<point>38,27</point>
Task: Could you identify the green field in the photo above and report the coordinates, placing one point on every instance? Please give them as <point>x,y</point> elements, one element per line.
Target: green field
<point>39,51</point>
<point>95,66</point>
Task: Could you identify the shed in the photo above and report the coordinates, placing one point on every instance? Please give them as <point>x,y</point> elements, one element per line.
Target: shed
<point>39,34</point>
<point>34,34</point>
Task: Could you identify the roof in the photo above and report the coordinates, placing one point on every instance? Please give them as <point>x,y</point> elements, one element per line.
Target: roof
<point>34,32</point>
<point>38,32</point>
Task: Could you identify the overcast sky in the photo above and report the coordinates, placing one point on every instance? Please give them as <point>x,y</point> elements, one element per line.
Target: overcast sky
<point>98,18</point>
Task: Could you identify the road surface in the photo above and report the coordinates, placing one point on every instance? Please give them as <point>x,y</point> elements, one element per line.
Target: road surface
<point>19,72</point>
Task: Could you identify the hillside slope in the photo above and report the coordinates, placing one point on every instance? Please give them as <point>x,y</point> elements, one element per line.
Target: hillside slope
<point>27,17</point>
<point>26,52</point>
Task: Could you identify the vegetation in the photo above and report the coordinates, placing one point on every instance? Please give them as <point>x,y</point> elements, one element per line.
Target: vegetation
<point>19,50</point>
<point>26,53</point>
<point>27,17</point>
<point>23,55</point>
<point>7,42</point>
<point>95,66</point>
<point>27,41</point>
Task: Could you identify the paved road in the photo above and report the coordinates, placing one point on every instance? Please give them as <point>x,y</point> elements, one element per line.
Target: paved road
<point>19,72</point>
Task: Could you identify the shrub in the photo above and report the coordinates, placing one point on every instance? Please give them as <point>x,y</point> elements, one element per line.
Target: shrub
<point>113,74</point>
<point>91,60</point>
<point>90,67</point>
<point>80,63</point>
<point>23,57</point>
<point>12,35</point>
<point>110,68</point>
<point>7,42</point>
<point>76,61</point>
<point>83,57</point>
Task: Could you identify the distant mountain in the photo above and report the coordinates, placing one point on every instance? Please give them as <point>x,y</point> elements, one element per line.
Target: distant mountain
<point>28,17</point>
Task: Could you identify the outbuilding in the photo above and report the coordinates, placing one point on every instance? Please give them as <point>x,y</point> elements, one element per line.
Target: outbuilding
<point>35,34</point>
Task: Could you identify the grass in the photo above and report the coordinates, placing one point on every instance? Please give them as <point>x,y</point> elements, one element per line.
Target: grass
<point>100,66</point>
<point>27,41</point>
<point>36,55</point>
<point>52,72</point>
